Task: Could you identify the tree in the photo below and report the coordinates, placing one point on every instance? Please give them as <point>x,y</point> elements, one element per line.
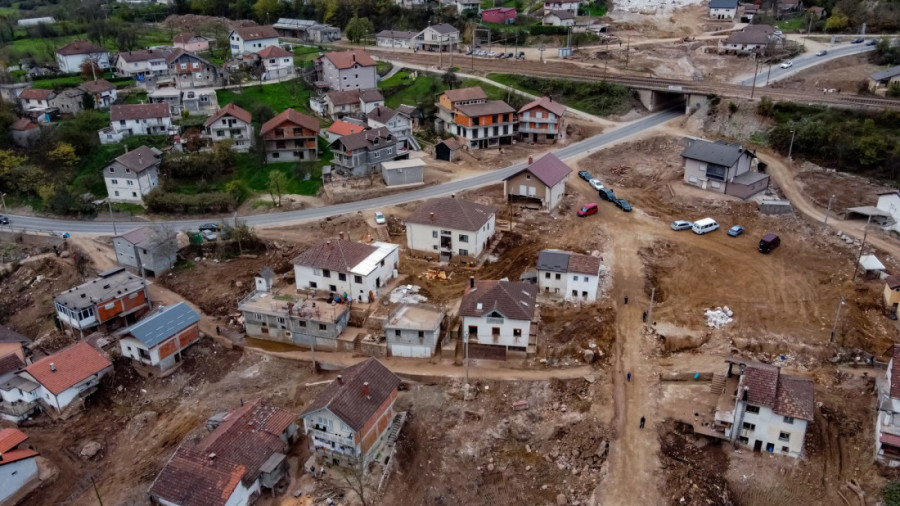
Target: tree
<point>766,107</point>
<point>9,161</point>
<point>837,21</point>
<point>87,101</point>
<point>237,189</point>
<point>891,493</point>
<point>277,185</point>
<point>355,480</point>
<point>242,234</point>
<point>894,90</point>
<point>63,156</point>
<point>90,70</point>
<point>163,241</point>
<point>263,8</point>
<point>223,155</point>
<point>449,78</point>
<point>358,28</point>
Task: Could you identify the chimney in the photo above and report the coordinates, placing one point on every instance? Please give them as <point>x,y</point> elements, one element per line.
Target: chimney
<point>52,367</point>
<point>431,217</point>
<point>366,390</point>
<point>340,380</point>
<point>530,160</point>
<point>471,281</point>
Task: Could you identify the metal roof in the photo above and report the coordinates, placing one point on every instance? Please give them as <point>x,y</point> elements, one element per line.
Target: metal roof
<point>719,152</point>
<point>886,74</point>
<point>553,260</point>
<point>871,263</point>
<point>167,322</point>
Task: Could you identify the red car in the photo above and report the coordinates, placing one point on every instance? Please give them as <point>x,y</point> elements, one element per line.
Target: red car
<point>588,210</point>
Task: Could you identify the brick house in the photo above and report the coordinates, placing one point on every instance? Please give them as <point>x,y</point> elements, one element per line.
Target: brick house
<point>158,340</point>
<point>290,136</point>
<point>116,297</point>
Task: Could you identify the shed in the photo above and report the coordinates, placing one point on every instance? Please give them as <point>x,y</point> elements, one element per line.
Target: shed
<point>871,266</point>
<point>400,172</point>
<point>446,150</point>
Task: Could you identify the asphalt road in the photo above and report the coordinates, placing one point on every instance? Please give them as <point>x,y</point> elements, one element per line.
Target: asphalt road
<point>31,223</point>
<point>808,60</point>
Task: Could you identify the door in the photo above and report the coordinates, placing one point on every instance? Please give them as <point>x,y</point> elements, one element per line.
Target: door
<point>523,190</point>
<point>757,446</point>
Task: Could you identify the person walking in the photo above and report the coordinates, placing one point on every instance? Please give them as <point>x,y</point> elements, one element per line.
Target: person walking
<point>626,300</point>
<point>644,317</point>
<point>628,376</point>
<point>218,332</point>
<point>642,421</point>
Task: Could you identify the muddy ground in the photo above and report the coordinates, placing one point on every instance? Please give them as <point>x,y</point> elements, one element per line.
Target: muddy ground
<point>848,73</point>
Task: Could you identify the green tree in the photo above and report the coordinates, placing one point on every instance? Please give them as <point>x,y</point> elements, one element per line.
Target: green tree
<point>223,155</point>
<point>63,156</point>
<point>264,8</point>
<point>9,161</point>
<point>837,21</point>
<point>449,78</point>
<point>237,189</point>
<point>359,28</point>
<point>277,185</point>
<point>87,101</point>
<point>894,90</point>
<point>766,107</point>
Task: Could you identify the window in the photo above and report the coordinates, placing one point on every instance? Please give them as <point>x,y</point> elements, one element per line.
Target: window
<point>342,276</point>
<point>753,409</point>
<point>770,447</point>
<point>357,279</point>
<point>184,66</point>
<point>313,284</point>
<point>434,233</point>
<point>495,331</point>
<point>115,181</point>
<point>280,319</point>
<point>130,182</point>
<point>547,275</point>
<point>258,316</point>
<point>117,193</point>
<point>463,238</point>
<point>332,288</point>
<point>714,171</point>
<point>464,252</point>
<point>789,419</point>
<point>397,332</point>
<point>784,436</point>
<point>785,449</point>
<point>517,332</point>
<point>421,334</point>
<point>322,326</point>
<point>326,273</point>
<point>558,276</point>
<point>749,426</point>
<point>134,194</point>
<point>275,155</point>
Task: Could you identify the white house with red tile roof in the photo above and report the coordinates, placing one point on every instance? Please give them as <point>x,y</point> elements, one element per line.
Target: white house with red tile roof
<point>341,128</point>
<point>451,227</point>
<point>70,57</point>
<point>252,39</point>
<point>230,122</point>
<point>347,70</point>
<point>542,182</point>
<point>136,119</point>
<point>34,99</point>
<point>339,267</point>
<point>569,275</point>
<point>18,464</point>
<point>498,314</point>
<point>279,63</point>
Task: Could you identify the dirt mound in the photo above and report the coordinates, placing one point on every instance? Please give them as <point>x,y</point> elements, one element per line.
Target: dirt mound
<point>693,467</point>
<point>26,294</point>
<point>567,330</point>
<point>196,22</point>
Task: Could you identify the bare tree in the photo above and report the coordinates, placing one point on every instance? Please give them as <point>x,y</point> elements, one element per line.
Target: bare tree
<point>162,243</point>
<point>355,480</point>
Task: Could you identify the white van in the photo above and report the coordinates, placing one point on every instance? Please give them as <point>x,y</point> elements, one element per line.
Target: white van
<point>705,225</point>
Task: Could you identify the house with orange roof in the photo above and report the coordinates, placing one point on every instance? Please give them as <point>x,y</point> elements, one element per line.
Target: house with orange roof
<point>341,128</point>
<point>18,464</point>
<point>230,122</point>
<point>72,56</point>
<point>347,70</point>
<point>24,132</point>
<point>34,99</point>
<point>191,42</point>
<point>291,136</point>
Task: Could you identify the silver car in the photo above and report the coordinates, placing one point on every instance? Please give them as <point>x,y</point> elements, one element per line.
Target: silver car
<point>681,225</point>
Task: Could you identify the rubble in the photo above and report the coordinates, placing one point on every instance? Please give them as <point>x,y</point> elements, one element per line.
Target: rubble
<point>406,294</point>
<point>718,317</point>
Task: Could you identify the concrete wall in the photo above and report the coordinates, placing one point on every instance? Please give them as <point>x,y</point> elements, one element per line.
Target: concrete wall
<point>555,195</point>
<point>552,282</point>
<point>421,237</point>
<point>295,330</point>
<point>409,344</point>
<point>406,176</point>
<point>16,475</point>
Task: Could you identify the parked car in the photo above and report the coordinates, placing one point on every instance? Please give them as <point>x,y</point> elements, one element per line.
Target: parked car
<point>871,42</point>
<point>596,184</point>
<point>587,176</point>
<point>492,54</point>
<point>768,243</point>
<point>681,225</point>
<point>735,231</point>
<point>509,55</point>
<point>468,52</point>
<point>787,64</point>
<point>211,227</point>
<point>623,205</point>
<point>588,210</point>
<point>858,40</point>
<point>777,33</point>
<point>209,235</point>
<point>4,220</point>
<point>379,218</point>
<point>704,226</point>
<point>521,55</point>
<point>607,194</point>
<point>63,235</point>
<point>822,53</point>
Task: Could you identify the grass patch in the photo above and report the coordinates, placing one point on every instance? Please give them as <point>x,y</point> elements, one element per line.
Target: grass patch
<point>136,98</point>
<point>183,265</point>
<point>59,82</point>
<point>278,96</point>
<point>424,89</point>
<point>132,209</point>
<point>600,99</point>
<point>263,203</point>
<point>256,177</point>
<point>592,9</point>
<point>90,170</point>
<point>791,25</point>
<point>398,79</point>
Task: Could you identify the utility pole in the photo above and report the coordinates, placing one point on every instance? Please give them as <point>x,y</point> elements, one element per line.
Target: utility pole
<point>441,53</point>
<point>473,49</point>
<point>451,50</point>
<point>791,147</point>
<point>96,491</point>
<point>627,51</point>
<point>836,318</point>
<point>649,321</point>
<point>541,48</point>
<point>111,217</point>
<point>753,88</point>
<point>466,343</point>
<point>3,201</point>
<point>859,257</point>
<point>828,211</point>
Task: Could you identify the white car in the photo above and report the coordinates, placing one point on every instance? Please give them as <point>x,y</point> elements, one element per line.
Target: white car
<point>787,64</point>
<point>596,184</point>
<point>379,218</point>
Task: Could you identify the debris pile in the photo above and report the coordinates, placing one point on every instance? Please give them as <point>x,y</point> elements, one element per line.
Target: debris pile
<point>718,317</point>
<point>407,294</point>
<point>436,274</point>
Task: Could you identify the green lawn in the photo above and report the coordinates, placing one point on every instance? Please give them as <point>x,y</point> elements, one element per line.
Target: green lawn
<point>256,177</point>
<point>792,25</point>
<point>59,82</point>
<point>600,98</point>
<point>278,96</point>
<point>424,89</point>
<point>90,169</point>
<point>136,98</point>
<point>592,10</point>
<point>395,80</point>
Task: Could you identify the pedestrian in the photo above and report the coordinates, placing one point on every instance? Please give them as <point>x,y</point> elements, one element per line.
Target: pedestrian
<point>642,421</point>
<point>629,376</point>
<point>218,332</point>
<point>322,469</point>
<point>644,317</point>
<point>626,300</point>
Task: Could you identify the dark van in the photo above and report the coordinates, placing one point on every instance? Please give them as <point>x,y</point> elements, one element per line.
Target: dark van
<point>769,243</point>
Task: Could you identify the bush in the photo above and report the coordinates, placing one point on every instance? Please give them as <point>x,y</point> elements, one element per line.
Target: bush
<point>891,493</point>
<point>766,107</point>
<point>160,201</point>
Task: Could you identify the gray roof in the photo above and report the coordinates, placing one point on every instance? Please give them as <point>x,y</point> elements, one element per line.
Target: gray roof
<point>444,28</point>
<point>157,328</point>
<point>723,4</point>
<point>553,260</point>
<point>108,285</point>
<point>562,15</point>
<point>8,335</point>
<point>396,34</point>
<point>886,74</point>
<point>20,383</point>
<point>366,138</point>
<point>719,152</point>
<point>485,108</point>
<point>140,159</point>
<point>453,213</point>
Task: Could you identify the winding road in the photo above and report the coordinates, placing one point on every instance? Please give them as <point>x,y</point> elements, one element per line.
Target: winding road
<point>805,61</point>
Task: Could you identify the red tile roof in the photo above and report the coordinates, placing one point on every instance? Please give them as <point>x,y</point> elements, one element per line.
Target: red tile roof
<point>35,94</point>
<point>184,38</point>
<point>80,47</point>
<point>761,382</point>
<point>98,86</point>
<point>890,439</point>
<point>138,111</point>
<point>10,363</point>
<point>348,400</point>
<point>795,397</point>
<point>548,104</point>
<point>191,478</point>
<point>10,439</point>
<point>549,169</point>
<point>513,300</point>
<point>347,59</point>
<point>584,264</point>
<point>453,213</point>
<point>73,365</point>
<point>344,128</point>
<point>273,52</point>
<point>473,93</point>
<point>230,109</point>
<point>290,116</point>
<point>893,282</point>
<point>256,32</point>
<point>339,255</point>
<point>23,124</point>
<point>144,55</point>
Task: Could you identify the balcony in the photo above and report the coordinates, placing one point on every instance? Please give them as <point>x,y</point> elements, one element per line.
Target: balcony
<point>17,409</point>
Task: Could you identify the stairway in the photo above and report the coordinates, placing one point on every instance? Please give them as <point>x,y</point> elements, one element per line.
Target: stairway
<point>718,384</point>
<point>396,425</point>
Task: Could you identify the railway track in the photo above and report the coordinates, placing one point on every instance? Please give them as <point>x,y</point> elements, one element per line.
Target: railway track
<point>566,70</point>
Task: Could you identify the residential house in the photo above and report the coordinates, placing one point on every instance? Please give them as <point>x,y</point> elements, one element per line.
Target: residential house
<point>25,133</point>
<point>190,42</point>
<point>558,18</point>
<point>307,30</point>
<point>891,294</point>
<point>395,39</point>
<point>761,408</point>
<point>413,330</point>
<point>252,39</point>
<point>230,123</point>
<point>816,13</point>
<point>399,121</point>
<point>150,252</point>
<point>113,299</point>
<point>570,275</point>
<point>103,92</point>
<point>561,5</point>
<point>68,100</point>
<point>279,64</point>
<point>409,4</point>
<point>338,266</point>
<point>245,452</point>
<point>352,102</point>
<point>131,176</point>
<point>145,65</point>
<point>723,168</point>
<point>69,375</point>
<point>889,203</point>
<point>496,318</point>
<point>464,5</point>
<point>347,70</point>
<point>542,182</point>
<point>362,153</point>
<point>340,128</point>
<point>34,99</point>
<point>880,81</point>
<point>751,39</point>
<point>437,38</point>
<point>447,150</point>
<point>451,227</point>
<point>72,56</point>
<point>723,9</point>
<point>47,20</point>
<point>403,172</point>
<point>542,120</point>
<point>18,465</point>
<point>348,423</point>
<point>11,342</point>
<point>157,341</point>
<point>14,390</point>
<point>887,417</point>
<point>191,71</point>
<point>136,119</point>
<point>501,15</point>
<point>449,100</point>
<point>486,125</point>
<point>290,136</point>
<point>196,100</point>
<point>301,321</point>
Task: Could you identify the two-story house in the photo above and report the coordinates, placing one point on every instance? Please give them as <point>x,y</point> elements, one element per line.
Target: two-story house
<point>347,70</point>
<point>300,321</point>
<point>558,18</point>
<point>191,71</point>
<point>131,176</point>
<point>34,99</point>
<point>449,100</point>
<point>102,91</point>
<point>251,39</point>
<point>497,316</point>
<point>397,39</point>
<point>339,104</point>
<point>445,228</point>
<point>157,341</point>
<point>348,422</point>
<point>437,38</point>
<point>190,42</point>
<point>363,153</point>
<point>723,168</point>
<point>113,299</point>
<point>413,330</point>
<point>145,65</point>
<point>561,5</point>
<point>723,9</point>
<point>18,464</point>
<point>887,417</point>
<point>485,125</point>
<point>72,56</point>
<point>542,121</point>
<point>68,101</point>
<point>67,376</point>
<point>341,128</point>
<point>569,275</point>
<point>762,408</point>
<point>136,119</point>
<point>542,182</point>
<point>279,63</point>
<point>230,122</point>
<point>399,121</point>
<point>290,136</point>
<point>750,39</point>
<point>150,252</point>
<point>464,5</point>
<point>338,266</point>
